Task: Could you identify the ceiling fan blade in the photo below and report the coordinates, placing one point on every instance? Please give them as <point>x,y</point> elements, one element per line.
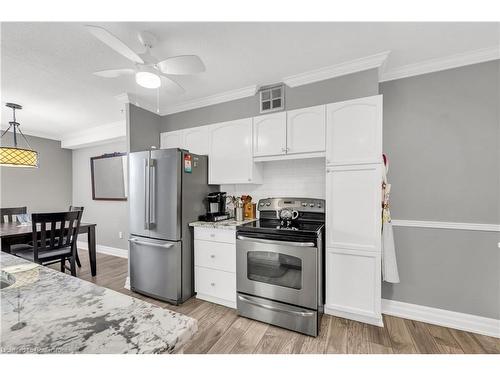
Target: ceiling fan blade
<point>113,42</point>
<point>113,73</point>
<point>185,64</point>
<point>170,85</point>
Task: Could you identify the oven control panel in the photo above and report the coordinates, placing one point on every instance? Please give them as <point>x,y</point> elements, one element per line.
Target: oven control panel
<point>298,204</point>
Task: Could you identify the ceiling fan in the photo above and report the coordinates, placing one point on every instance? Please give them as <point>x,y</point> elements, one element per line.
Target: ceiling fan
<point>148,70</point>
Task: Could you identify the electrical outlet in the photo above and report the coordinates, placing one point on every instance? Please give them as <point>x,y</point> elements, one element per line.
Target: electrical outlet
<point>120,234</point>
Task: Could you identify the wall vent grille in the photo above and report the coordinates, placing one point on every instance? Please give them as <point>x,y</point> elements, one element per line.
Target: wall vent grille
<point>272,98</point>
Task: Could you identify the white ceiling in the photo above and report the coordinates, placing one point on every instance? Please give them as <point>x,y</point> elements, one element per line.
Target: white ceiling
<point>47,67</point>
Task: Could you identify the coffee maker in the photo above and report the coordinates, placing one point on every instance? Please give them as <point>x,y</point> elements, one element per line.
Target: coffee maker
<point>216,207</point>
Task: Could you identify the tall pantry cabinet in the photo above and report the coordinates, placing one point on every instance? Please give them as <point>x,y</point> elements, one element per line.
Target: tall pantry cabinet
<point>353,209</point>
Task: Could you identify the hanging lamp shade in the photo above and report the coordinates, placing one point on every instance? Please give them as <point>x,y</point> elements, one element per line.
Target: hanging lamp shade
<point>18,157</point>
<point>13,156</point>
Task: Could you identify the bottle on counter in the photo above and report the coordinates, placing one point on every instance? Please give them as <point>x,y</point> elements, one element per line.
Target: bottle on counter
<point>238,210</point>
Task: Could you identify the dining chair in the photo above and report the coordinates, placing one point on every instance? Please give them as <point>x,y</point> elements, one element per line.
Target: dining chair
<point>54,239</point>
<point>9,215</point>
<point>77,208</point>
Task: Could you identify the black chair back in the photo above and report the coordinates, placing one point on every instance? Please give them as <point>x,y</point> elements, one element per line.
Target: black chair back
<point>57,230</point>
<point>11,214</point>
<point>75,208</point>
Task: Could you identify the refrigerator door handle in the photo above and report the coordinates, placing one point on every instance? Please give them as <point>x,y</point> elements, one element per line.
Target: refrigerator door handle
<point>146,194</point>
<point>152,198</point>
<point>144,243</point>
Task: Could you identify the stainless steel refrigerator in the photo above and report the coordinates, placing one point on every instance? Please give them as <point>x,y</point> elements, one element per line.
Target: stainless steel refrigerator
<point>167,191</point>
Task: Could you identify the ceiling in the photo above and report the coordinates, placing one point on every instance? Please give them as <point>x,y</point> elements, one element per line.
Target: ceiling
<point>47,67</point>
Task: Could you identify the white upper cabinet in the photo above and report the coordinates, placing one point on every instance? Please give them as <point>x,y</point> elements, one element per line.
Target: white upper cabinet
<point>171,139</point>
<point>196,140</point>
<point>269,134</point>
<point>230,153</point>
<point>354,131</point>
<point>306,128</point>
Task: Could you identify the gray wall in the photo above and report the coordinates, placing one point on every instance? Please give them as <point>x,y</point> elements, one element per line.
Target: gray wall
<point>351,86</point>
<point>47,188</point>
<point>143,128</point>
<point>441,133</point>
<point>111,217</point>
<point>448,269</point>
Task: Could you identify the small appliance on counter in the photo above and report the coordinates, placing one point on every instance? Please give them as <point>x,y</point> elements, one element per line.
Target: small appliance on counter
<point>216,210</point>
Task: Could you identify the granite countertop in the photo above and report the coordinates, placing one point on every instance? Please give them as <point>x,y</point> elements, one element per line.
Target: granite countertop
<point>230,224</point>
<point>46,311</point>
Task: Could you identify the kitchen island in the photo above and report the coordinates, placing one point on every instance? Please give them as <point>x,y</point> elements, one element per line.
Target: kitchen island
<point>46,311</point>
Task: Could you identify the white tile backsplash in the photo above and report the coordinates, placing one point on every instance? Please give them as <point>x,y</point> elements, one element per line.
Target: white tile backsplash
<point>301,178</point>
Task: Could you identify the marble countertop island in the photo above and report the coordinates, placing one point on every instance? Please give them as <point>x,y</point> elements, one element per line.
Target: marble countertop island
<point>229,224</point>
<point>46,311</point>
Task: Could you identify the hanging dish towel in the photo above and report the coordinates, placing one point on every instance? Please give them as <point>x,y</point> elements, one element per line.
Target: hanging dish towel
<point>389,264</point>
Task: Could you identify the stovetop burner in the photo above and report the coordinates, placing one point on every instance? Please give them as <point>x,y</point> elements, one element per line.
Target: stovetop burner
<point>287,224</point>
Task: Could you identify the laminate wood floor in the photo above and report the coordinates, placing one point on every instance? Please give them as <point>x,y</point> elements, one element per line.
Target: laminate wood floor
<point>221,330</point>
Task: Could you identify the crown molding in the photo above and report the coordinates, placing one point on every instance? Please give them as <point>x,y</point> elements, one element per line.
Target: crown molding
<point>34,133</point>
<point>436,65</point>
<point>337,70</point>
<point>212,99</point>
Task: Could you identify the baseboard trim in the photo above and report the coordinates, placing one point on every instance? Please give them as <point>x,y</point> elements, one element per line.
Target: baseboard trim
<point>219,301</point>
<point>446,318</point>
<point>108,250</point>
<point>376,321</point>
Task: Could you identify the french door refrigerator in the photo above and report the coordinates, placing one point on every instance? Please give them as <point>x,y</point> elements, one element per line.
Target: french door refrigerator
<point>167,191</point>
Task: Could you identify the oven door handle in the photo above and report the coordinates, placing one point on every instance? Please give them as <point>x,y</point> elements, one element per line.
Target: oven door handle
<point>274,242</point>
<point>274,308</point>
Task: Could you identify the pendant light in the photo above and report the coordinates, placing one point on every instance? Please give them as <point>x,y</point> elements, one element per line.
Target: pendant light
<point>16,156</point>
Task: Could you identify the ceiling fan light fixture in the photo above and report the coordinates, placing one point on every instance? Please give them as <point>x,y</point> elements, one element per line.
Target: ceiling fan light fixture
<point>148,80</point>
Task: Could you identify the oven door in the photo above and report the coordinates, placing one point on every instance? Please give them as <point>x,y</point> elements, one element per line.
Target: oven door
<point>283,271</point>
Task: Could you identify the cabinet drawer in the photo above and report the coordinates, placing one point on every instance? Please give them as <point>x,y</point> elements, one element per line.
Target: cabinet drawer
<point>217,255</point>
<point>219,235</point>
<point>215,283</point>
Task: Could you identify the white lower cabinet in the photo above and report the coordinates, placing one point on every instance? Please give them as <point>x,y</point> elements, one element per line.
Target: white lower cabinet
<point>215,255</point>
<point>353,280</point>
<point>215,265</point>
<point>216,286</point>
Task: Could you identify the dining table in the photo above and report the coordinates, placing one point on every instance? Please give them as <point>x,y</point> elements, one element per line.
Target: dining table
<point>15,233</point>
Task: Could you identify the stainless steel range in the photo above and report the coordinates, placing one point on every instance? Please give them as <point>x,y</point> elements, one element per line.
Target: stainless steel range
<point>279,264</point>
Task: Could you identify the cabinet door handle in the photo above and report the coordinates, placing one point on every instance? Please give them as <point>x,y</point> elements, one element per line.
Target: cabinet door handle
<point>212,256</point>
